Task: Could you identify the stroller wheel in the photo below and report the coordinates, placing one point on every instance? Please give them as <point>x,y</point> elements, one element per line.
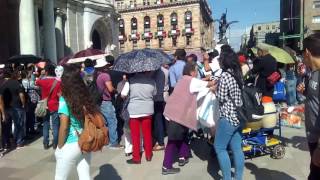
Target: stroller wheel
<point>278,151</point>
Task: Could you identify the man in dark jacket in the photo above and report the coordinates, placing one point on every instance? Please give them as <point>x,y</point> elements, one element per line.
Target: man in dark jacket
<point>264,66</point>
<point>312,105</point>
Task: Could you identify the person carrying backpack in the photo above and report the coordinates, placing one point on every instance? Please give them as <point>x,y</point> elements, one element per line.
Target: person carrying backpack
<point>80,120</point>
<point>228,132</point>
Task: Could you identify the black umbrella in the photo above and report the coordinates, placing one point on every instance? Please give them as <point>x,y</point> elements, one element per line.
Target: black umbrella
<point>141,61</point>
<point>24,59</point>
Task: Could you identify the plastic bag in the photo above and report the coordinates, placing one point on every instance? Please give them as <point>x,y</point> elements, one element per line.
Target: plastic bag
<point>208,112</point>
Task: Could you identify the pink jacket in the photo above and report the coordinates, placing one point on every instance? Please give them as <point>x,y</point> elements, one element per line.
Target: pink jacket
<point>181,106</point>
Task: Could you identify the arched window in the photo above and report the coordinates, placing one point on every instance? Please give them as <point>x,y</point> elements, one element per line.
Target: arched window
<point>188,31</point>
<point>122,35</point>
<point>188,17</point>
<point>174,20</point>
<point>121,26</point>
<point>147,24</point>
<point>160,22</point>
<point>134,25</point>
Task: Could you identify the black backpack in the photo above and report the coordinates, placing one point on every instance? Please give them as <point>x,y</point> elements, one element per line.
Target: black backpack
<point>252,109</point>
<point>95,92</point>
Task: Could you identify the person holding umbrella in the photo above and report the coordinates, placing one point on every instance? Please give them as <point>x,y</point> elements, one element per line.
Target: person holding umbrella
<point>142,89</point>
<point>264,66</point>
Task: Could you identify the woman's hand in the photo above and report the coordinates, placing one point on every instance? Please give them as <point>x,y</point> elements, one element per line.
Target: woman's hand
<point>213,85</point>
<point>301,88</point>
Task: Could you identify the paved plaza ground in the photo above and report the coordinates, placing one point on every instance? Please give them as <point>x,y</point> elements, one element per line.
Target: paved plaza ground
<point>34,163</point>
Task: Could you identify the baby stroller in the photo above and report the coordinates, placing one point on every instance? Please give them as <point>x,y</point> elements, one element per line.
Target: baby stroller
<point>262,141</point>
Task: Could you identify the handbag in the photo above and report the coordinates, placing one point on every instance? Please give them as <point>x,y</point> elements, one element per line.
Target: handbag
<point>208,111</point>
<point>273,78</point>
<point>42,105</point>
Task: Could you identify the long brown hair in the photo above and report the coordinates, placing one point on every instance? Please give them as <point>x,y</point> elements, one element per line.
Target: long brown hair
<point>76,93</point>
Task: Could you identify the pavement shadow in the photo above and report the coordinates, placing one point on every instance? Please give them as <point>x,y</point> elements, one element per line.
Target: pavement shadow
<point>298,142</point>
<point>267,174</point>
<point>107,171</point>
<point>203,151</point>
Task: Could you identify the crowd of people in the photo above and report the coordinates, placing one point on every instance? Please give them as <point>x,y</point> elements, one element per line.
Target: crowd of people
<point>146,107</point>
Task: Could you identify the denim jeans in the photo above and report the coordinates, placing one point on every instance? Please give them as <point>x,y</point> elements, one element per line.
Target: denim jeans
<point>291,89</point>
<point>55,127</point>
<point>31,118</point>
<point>158,123</point>
<point>109,114</point>
<point>19,121</point>
<point>226,135</point>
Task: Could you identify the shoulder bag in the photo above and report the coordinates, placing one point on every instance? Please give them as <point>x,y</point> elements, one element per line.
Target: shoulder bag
<point>42,105</point>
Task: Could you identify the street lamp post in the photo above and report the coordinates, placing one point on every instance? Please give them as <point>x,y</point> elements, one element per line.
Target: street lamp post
<point>301,18</point>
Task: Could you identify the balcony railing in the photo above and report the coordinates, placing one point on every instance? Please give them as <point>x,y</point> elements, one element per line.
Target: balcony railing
<point>134,37</point>
<point>147,35</point>
<point>174,33</point>
<point>122,38</point>
<point>187,32</point>
<point>160,34</point>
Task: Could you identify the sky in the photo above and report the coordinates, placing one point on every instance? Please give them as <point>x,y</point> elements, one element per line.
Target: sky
<point>247,12</point>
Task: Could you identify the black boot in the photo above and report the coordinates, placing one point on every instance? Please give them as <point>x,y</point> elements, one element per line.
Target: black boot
<point>166,171</point>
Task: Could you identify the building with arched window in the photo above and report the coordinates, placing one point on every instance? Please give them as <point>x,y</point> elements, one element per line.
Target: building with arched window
<point>166,24</point>
<point>53,29</point>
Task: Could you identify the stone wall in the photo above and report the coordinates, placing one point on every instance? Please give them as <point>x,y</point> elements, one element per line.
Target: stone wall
<point>309,12</point>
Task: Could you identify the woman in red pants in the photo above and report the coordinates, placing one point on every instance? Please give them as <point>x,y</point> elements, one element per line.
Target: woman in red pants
<point>140,108</point>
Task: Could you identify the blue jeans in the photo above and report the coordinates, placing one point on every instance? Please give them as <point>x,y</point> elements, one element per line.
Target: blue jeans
<point>55,127</point>
<point>109,114</point>
<point>227,134</point>
<point>291,89</point>
<point>19,121</point>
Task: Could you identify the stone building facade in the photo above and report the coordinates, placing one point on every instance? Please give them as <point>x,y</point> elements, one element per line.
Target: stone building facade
<point>263,32</point>
<point>312,15</point>
<point>53,29</point>
<point>165,24</point>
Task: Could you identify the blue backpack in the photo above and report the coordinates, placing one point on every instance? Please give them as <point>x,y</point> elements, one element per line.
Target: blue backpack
<point>279,93</point>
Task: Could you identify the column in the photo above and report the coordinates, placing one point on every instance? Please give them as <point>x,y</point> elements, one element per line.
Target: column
<point>60,16</point>
<point>36,17</point>
<point>27,31</point>
<point>50,51</point>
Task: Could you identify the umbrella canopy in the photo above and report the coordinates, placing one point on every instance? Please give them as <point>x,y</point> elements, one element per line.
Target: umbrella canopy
<point>141,61</point>
<point>64,60</point>
<point>279,54</point>
<point>90,53</point>
<point>24,59</point>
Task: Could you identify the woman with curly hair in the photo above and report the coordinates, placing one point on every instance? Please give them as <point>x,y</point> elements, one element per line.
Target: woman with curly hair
<point>74,98</point>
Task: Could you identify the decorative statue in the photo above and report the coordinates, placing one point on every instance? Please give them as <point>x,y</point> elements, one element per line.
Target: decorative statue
<point>223,27</point>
